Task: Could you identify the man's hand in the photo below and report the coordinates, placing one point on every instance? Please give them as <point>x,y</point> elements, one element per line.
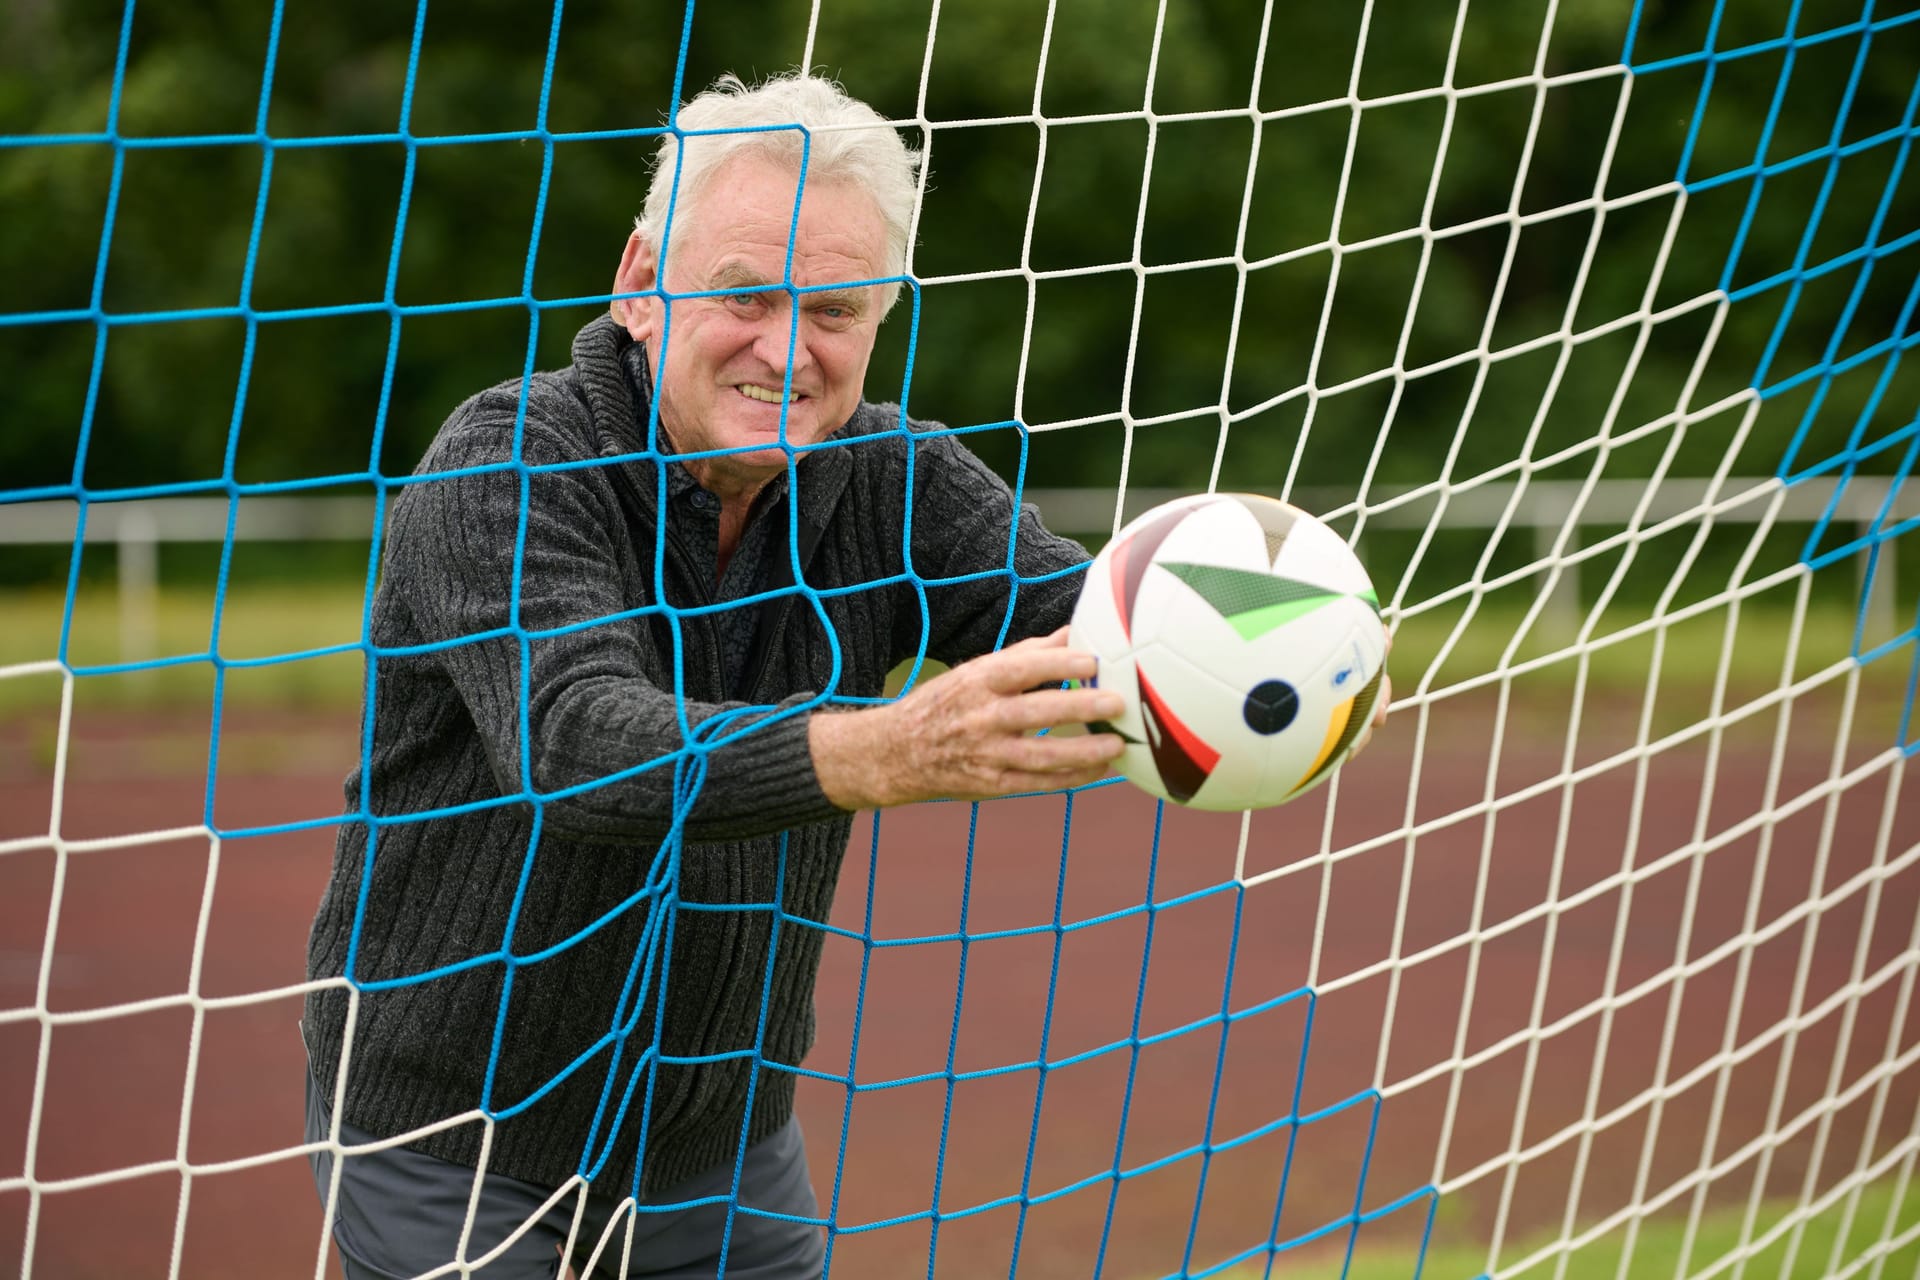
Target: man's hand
<point>1379,707</point>
<point>968,734</point>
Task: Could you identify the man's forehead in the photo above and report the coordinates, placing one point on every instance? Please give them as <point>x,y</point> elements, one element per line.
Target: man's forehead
<point>809,271</point>
<point>743,222</point>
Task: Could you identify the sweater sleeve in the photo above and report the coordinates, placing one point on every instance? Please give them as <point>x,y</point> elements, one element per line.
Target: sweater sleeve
<point>988,565</point>
<point>565,656</point>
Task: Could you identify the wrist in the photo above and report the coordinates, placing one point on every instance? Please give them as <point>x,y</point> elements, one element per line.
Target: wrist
<point>852,757</point>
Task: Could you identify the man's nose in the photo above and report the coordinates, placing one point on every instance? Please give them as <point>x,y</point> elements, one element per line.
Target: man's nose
<point>777,343</point>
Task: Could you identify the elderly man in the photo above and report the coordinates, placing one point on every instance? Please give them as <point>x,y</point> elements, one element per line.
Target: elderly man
<point>599,679</point>
<point>590,571</point>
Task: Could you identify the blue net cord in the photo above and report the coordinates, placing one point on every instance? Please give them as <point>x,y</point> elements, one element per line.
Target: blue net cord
<point>1819,446</point>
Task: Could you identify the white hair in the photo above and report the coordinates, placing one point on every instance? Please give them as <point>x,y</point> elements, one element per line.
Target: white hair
<point>845,141</point>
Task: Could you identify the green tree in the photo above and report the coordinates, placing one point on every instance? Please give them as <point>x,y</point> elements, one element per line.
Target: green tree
<point>459,218</point>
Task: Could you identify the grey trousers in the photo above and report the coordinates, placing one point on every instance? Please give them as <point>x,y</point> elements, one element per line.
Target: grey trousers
<point>400,1213</point>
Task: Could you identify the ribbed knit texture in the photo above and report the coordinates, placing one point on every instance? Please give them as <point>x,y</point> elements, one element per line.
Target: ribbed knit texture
<point>446,731</point>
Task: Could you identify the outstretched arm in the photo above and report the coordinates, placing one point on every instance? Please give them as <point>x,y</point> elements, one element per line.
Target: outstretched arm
<point>991,568</point>
<point>566,689</point>
<point>968,734</point>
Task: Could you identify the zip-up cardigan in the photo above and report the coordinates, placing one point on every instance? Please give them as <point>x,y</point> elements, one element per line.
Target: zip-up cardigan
<point>500,942</point>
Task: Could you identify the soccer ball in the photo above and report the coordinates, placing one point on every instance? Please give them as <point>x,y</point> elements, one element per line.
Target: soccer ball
<point>1246,638</point>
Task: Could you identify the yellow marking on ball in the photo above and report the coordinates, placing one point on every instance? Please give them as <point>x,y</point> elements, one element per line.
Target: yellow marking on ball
<point>1336,725</point>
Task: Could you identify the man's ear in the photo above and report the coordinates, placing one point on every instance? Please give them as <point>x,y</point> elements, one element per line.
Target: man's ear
<point>637,273</point>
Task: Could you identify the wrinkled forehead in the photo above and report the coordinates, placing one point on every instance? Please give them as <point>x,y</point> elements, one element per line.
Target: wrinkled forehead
<point>742,223</point>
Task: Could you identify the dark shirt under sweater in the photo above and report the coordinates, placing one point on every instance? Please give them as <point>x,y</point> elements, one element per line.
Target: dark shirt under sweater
<point>911,518</point>
<point>695,512</point>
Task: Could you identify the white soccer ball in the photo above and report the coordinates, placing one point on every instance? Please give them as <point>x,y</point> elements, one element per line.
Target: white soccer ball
<point>1246,638</point>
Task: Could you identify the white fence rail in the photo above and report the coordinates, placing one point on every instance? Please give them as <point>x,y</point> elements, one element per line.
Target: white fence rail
<point>1545,507</point>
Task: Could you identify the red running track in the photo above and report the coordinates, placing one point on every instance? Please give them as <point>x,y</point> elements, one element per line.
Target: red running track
<point>114,1089</point>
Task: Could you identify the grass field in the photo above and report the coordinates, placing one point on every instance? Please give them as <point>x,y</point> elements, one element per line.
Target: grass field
<point>272,622</point>
<point>1662,1249</point>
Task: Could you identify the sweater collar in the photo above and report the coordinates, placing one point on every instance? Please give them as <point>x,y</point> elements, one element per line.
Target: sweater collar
<point>612,370</point>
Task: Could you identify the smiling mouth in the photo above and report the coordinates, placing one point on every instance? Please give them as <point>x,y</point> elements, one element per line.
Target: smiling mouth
<point>765,396</point>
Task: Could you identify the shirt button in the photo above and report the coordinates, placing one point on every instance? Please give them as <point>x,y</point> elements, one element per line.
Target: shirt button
<point>702,500</point>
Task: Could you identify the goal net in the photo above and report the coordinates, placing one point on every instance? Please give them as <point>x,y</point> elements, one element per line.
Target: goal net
<point>1589,325</point>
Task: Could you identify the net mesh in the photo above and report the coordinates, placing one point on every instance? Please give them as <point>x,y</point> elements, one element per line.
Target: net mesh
<point>1601,960</point>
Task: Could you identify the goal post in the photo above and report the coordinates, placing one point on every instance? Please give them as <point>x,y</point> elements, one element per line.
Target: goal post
<point>1590,327</point>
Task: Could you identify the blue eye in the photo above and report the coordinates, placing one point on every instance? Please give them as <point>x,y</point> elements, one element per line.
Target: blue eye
<point>748,303</point>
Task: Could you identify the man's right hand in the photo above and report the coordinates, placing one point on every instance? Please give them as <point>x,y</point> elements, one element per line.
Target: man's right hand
<point>968,734</point>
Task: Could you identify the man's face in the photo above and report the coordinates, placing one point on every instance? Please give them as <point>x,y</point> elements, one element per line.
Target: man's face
<point>725,365</point>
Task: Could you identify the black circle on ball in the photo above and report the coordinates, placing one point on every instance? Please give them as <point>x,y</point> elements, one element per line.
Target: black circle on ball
<point>1271,706</point>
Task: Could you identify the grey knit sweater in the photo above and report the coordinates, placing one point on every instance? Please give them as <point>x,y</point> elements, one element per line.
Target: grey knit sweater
<point>468,871</point>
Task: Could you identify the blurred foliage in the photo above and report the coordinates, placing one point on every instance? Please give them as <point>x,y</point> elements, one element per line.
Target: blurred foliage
<point>372,220</point>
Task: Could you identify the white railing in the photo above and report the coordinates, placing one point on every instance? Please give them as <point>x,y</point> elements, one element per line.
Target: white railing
<point>1544,507</point>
